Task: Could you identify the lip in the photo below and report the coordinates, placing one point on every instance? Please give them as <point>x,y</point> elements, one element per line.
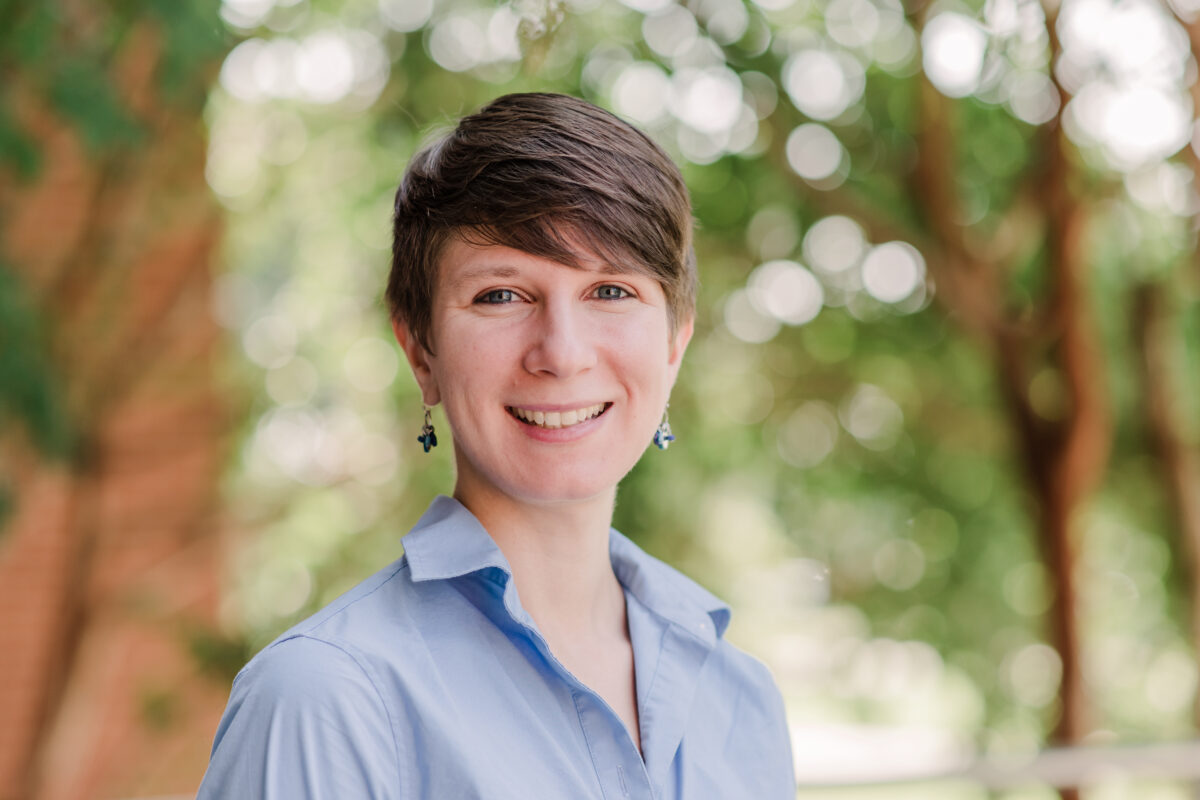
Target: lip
<point>559,408</point>
<point>560,435</point>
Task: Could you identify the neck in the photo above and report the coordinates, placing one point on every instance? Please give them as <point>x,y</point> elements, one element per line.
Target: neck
<point>559,557</point>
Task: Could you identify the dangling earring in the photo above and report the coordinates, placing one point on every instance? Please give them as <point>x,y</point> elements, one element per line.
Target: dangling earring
<point>662,434</point>
<point>428,438</point>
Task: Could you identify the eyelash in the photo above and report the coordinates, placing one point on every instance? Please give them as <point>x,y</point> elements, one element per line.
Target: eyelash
<point>489,297</point>
<point>483,298</point>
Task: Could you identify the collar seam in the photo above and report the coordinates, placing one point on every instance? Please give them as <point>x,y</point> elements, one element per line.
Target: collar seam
<point>484,572</point>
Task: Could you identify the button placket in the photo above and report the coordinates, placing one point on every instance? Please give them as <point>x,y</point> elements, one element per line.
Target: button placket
<point>619,766</point>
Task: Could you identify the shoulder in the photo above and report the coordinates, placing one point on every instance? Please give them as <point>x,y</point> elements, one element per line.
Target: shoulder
<point>303,679</point>
<point>355,615</point>
<point>331,659</point>
<point>300,668</point>
<point>741,721</point>
<point>746,704</point>
<point>305,720</point>
<point>307,716</point>
<point>746,675</point>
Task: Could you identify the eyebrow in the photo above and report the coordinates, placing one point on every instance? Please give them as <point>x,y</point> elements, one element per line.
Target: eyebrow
<point>505,271</point>
<point>488,271</point>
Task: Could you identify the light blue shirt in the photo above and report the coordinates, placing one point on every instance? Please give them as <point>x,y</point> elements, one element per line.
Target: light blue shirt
<point>430,681</point>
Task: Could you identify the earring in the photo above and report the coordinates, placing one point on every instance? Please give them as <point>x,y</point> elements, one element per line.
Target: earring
<point>428,438</point>
<point>662,434</point>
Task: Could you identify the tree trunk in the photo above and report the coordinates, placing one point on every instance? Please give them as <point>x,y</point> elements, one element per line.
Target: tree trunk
<point>111,555</point>
<point>1178,462</point>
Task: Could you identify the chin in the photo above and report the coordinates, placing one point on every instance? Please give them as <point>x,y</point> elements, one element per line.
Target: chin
<point>550,484</point>
<point>545,477</point>
<point>559,489</point>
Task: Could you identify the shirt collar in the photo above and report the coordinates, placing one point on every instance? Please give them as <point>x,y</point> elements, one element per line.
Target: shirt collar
<point>668,592</point>
<point>448,542</point>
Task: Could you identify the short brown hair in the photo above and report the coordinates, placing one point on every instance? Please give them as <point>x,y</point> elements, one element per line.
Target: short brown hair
<point>550,175</point>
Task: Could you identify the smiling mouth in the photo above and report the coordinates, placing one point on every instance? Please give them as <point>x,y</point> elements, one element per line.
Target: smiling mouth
<point>557,419</point>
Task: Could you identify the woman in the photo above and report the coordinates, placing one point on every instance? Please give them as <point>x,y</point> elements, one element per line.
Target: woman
<point>542,288</point>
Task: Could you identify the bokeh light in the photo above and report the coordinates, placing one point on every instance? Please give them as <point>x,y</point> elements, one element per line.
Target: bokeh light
<point>457,43</point>
<point>641,92</point>
<point>1135,125</point>
<point>786,291</point>
<point>834,244</point>
<point>814,152</point>
<point>246,14</point>
<point>647,6</point>
<point>325,67</point>
<point>745,321</point>
<point>726,20</point>
<point>953,46</point>
<point>671,32</point>
<point>809,435</point>
<point>1124,63</point>
<point>823,84</point>
<point>405,15</point>
<point>872,417</point>
<point>852,23</point>
<point>773,232</point>
<point>709,100</point>
<point>892,271</point>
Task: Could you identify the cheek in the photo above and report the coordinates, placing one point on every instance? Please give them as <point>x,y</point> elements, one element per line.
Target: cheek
<point>640,355</point>
<point>472,364</point>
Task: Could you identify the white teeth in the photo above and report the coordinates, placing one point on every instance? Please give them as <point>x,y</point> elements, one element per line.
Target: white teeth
<point>556,419</point>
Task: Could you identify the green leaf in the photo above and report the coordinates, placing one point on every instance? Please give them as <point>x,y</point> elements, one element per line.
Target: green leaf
<point>195,38</point>
<point>30,390</point>
<point>17,149</point>
<point>82,94</point>
<point>27,30</point>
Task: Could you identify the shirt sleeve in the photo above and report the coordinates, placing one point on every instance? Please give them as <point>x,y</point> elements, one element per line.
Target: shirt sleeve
<point>779,738</point>
<point>760,735</point>
<point>304,722</point>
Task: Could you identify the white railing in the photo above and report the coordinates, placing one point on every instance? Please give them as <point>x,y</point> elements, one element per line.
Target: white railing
<point>1062,767</point>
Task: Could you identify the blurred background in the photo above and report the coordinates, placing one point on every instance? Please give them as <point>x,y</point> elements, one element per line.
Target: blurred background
<point>939,428</point>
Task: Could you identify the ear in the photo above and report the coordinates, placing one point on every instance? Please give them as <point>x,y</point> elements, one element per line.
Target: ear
<point>679,343</point>
<point>420,360</point>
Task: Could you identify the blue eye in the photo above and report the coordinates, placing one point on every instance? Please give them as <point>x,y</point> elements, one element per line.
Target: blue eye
<point>610,292</point>
<point>496,297</point>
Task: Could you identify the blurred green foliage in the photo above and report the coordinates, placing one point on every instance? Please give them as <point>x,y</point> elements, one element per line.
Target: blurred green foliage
<point>851,480</point>
<point>87,98</point>
<point>68,58</point>
<point>216,654</point>
<point>31,390</point>
<point>159,707</point>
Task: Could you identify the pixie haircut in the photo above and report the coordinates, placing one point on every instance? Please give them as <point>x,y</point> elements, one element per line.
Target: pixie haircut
<point>552,176</point>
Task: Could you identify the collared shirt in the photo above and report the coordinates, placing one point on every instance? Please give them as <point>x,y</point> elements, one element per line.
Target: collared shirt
<point>430,681</point>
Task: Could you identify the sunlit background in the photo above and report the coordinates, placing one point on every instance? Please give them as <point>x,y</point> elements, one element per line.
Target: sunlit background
<point>937,430</point>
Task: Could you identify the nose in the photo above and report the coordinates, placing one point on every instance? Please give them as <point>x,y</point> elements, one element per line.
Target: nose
<point>562,344</point>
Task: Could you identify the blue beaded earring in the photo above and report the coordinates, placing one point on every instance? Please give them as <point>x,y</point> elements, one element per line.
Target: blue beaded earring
<point>662,434</point>
<point>428,438</point>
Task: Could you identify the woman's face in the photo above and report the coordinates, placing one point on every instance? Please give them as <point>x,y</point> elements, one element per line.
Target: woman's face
<point>553,378</point>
